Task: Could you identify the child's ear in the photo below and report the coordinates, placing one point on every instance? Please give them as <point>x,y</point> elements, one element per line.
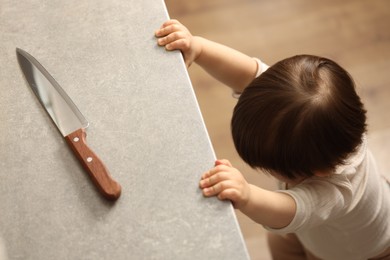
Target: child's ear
<point>322,173</point>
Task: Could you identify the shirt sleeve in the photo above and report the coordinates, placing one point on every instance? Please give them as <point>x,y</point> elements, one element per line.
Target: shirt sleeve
<point>261,67</point>
<point>321,200</point>
<point>317,201</point>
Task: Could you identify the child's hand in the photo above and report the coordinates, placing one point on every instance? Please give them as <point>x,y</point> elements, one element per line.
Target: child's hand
<point>227,183</point>
<point>175,36</point>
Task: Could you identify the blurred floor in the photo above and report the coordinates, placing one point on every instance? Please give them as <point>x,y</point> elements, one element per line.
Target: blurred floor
<point>355,33</point>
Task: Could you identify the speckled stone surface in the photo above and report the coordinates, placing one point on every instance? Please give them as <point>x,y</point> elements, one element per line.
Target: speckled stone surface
<point>145,124</point>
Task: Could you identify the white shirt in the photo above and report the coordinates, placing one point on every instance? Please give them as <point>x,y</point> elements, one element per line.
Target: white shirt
<point>346,215</point>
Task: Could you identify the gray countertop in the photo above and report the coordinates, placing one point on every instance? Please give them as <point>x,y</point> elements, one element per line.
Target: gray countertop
<point>145,124</point>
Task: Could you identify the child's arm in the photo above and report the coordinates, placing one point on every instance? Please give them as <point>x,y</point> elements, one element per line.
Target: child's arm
<point>229,66</point>
<point>272,209</point>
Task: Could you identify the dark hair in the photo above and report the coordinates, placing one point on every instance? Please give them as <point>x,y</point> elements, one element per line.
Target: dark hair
<point>300,116</point>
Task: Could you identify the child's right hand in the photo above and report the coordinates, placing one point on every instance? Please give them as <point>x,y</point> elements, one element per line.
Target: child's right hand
<point>227,183</point>
<point>175,36</point>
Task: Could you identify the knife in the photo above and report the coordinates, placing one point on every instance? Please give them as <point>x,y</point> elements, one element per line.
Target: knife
<point>69,121</point>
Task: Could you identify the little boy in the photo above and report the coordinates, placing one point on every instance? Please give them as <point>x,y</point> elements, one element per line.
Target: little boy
<point>301,121</point>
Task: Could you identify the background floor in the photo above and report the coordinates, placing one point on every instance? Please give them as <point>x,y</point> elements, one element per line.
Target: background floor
<point>355,33</point>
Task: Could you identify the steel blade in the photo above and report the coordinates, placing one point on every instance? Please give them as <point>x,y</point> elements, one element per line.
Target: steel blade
<point>53,98</point>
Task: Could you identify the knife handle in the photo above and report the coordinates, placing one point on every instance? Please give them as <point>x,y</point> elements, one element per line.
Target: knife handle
<point>98,172</point>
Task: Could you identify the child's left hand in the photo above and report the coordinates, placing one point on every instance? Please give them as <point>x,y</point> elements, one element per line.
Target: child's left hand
<point>227,183</point>
<point>175,36</point>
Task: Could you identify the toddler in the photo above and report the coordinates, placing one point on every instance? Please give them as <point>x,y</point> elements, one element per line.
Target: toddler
<point>302,122</point>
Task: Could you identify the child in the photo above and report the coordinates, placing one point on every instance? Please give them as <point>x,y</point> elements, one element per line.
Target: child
<point>301,121</point>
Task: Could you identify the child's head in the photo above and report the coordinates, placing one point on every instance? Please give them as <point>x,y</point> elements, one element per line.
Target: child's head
<point>300,116</point>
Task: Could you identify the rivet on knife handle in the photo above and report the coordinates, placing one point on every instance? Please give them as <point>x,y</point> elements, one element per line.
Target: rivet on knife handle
<point>93,165</point>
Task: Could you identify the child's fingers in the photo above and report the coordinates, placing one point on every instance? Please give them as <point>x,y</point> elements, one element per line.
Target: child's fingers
<point>217,188</point>
<point>210,191</point>
<point>208,181</point>
<point>223,162</point>
<point>181,44</point>
<point>214,179</point>
<point>169,22</point>
<point>174,41</point>
<point>230,194</point>
<point>207,174</point>
<point>164,31</point>
<point>168,30</point>
<point>167,39</point>
<point>214,170</point>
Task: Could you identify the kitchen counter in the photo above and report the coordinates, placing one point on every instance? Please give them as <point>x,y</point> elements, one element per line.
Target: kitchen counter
<point>145,124</point>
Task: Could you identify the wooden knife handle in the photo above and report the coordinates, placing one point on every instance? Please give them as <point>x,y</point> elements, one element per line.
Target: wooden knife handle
<point>108,187</point>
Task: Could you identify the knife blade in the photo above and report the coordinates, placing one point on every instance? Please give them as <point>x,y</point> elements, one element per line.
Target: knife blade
<point>69,121</point>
